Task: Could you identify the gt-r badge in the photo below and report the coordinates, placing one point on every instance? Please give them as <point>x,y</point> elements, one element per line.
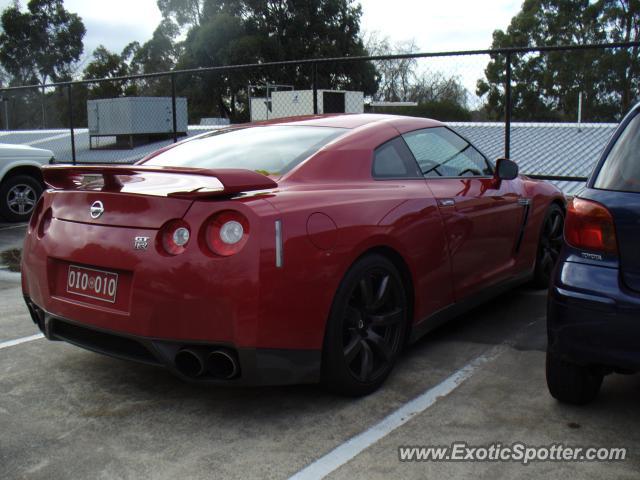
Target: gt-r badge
<point>140,243</point>
<point>97,209</point>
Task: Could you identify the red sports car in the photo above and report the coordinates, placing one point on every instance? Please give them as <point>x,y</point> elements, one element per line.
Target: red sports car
<point>291,251</point>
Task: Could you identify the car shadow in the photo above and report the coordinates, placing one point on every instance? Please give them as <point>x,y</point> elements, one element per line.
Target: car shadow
<point>488,324</point>
<point>518,316</point>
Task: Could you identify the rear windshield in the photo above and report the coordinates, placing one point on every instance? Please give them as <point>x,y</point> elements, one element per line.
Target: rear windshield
<point>271,150</point>
<point>621,169</point>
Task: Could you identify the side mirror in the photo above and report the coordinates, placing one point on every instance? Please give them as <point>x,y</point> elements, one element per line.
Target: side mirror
<point>506,169</point>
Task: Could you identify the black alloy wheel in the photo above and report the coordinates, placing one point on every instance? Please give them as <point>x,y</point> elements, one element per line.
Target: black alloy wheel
<point>367,327</point>
<point>551,241</point>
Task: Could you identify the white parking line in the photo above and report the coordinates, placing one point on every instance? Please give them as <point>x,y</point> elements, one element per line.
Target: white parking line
<point>18,341</point>
<point>348,450</point>
<point>13,226</point>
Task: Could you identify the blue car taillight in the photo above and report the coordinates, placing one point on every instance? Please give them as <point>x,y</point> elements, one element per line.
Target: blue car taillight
<point>589,226</point>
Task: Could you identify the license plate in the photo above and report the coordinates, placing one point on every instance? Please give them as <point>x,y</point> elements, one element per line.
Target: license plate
<point>92,283</point>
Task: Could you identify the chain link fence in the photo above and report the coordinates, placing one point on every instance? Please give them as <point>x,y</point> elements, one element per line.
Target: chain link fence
<point>522,103</point>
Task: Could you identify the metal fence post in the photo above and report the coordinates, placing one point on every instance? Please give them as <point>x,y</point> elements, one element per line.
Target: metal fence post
<point>73,138</point>
<point>507,108</point>
<point>314,67</point>
<point>269,103</point>
<point>173,108</point>
<point>44,114</point>
<point>5,104</point>
<point>6,112</point>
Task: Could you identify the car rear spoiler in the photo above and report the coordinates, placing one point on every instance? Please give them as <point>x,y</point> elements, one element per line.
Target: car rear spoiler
<point>205,182</point>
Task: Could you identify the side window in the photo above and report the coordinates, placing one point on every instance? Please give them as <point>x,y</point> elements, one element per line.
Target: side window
<point>393,160</point>
<point>442,153</point>
<point>621,169</point>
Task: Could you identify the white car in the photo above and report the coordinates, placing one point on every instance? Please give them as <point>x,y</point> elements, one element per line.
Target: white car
<point>21,180</point>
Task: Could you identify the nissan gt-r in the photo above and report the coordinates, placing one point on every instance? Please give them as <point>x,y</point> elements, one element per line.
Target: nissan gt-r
<point>292,251</point>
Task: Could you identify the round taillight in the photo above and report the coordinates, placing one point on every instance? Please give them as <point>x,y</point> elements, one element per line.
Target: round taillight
<point>174,237</point>
<point>231,232</point>
<point>181,236</point>
<point>226,232</point>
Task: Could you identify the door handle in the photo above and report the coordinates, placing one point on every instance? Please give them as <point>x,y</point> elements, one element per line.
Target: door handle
<point>446,202</point>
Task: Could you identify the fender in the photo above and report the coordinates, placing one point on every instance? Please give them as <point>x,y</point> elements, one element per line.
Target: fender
<point>7,168</point>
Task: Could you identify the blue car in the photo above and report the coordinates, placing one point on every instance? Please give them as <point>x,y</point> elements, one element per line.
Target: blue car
<point>593,316</point>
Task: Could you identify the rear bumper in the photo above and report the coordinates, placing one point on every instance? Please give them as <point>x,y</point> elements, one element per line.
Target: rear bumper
<point>592,319</point>
<point>257,366</point>
<point>243,300</point>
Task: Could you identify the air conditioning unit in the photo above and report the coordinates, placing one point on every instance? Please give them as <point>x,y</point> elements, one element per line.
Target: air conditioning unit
<point>130,118</point>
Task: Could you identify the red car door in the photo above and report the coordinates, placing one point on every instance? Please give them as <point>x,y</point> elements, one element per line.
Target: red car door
<point>482,216</point>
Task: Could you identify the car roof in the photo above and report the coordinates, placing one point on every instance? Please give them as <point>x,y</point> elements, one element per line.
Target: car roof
<point>351,120</point>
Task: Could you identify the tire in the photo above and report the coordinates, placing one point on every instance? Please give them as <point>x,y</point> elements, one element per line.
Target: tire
<point>18,197</point>
<point>366,327</point>
<point>571,383</point>
<point>549,246</point>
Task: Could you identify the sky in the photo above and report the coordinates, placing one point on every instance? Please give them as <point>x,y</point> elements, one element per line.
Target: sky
<point>437,25</point>
<point>434,25</point>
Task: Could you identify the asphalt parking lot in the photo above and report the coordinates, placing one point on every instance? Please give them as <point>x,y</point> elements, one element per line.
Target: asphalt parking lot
<point>69,413</point>
<point>11,235</point>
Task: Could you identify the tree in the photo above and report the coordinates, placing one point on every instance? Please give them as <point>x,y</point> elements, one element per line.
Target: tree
<point>222,40</point>
<point>438,87</point>
<point>183,12</point>
<point>37,46</point>
<point>436,94</point>
<point>546,86</point>
<point>395,77</point>
<point>107,64</point>
<point>161,52</point>
<point>41,44</point>
<point>250,31</point>
<point>621,20</point>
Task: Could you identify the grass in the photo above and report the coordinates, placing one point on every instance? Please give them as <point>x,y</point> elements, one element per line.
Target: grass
<point>11,258</point>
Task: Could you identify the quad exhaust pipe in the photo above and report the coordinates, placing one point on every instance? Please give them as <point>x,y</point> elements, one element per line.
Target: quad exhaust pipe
<point>190,362</point>
<point>195,362</point>
<point>222,365</point>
